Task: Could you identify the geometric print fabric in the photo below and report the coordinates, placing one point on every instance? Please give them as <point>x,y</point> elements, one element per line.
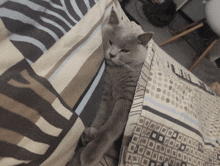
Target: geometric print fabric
<point>179,119</point>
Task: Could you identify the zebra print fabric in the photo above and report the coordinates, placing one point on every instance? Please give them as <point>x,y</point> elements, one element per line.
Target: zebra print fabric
<point>51,61</point>
<point>36,25</point>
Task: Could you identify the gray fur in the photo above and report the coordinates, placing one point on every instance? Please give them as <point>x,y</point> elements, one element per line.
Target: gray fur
<point>125,54</point>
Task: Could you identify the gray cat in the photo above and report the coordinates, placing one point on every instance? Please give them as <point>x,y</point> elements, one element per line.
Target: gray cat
<point>125,53</point>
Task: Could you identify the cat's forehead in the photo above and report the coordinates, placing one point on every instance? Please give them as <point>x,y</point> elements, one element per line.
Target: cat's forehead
<point>124,36</point>
<point>125,32</point>
<point>124,41</point>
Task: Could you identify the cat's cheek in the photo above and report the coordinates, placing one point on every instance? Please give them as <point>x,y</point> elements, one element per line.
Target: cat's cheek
<point>117,62</point>
<point>125,59</point>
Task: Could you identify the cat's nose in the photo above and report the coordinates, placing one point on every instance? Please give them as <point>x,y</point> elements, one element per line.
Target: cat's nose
<point>112,55</point>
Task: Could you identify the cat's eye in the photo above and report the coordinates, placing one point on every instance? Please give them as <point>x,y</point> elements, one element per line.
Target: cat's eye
<point>125,51</point>
<point>110,42</point>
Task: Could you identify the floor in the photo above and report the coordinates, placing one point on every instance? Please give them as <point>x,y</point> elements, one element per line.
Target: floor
<point>180,50</point>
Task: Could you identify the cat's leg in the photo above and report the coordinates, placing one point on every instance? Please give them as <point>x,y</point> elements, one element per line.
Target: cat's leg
<point>101,117</point>
<point>111,157</point>
<point>105,138</point>
<point>105,108</point>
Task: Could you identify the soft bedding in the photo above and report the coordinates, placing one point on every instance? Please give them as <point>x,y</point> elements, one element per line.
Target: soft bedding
<point>51,60</point>
<point>175,117</point>
<point>51,65</point>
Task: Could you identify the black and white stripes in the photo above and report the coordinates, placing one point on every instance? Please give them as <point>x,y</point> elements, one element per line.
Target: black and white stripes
<point>35,25</point>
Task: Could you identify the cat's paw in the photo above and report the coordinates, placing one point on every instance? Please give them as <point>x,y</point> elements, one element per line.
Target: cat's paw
<point>88,135</point>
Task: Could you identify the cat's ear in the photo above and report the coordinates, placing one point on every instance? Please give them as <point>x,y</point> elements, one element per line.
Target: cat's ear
<point>145,38</point>
<point>113,18</point>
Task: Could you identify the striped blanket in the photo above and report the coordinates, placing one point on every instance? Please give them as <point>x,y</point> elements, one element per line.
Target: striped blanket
<point>51,60</point>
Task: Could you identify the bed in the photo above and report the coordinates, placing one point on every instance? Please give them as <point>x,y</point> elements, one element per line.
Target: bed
<point>50,85</point>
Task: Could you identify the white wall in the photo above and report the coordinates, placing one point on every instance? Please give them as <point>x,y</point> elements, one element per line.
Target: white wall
<point>195,9</point>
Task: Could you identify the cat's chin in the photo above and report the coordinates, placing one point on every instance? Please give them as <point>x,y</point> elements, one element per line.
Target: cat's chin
<point>112,62</point>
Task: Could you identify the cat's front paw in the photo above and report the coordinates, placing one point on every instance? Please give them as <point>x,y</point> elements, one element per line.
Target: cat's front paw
<point>88,135</point>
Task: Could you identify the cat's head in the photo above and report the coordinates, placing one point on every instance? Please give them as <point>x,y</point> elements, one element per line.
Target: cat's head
<point>124,44</point>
